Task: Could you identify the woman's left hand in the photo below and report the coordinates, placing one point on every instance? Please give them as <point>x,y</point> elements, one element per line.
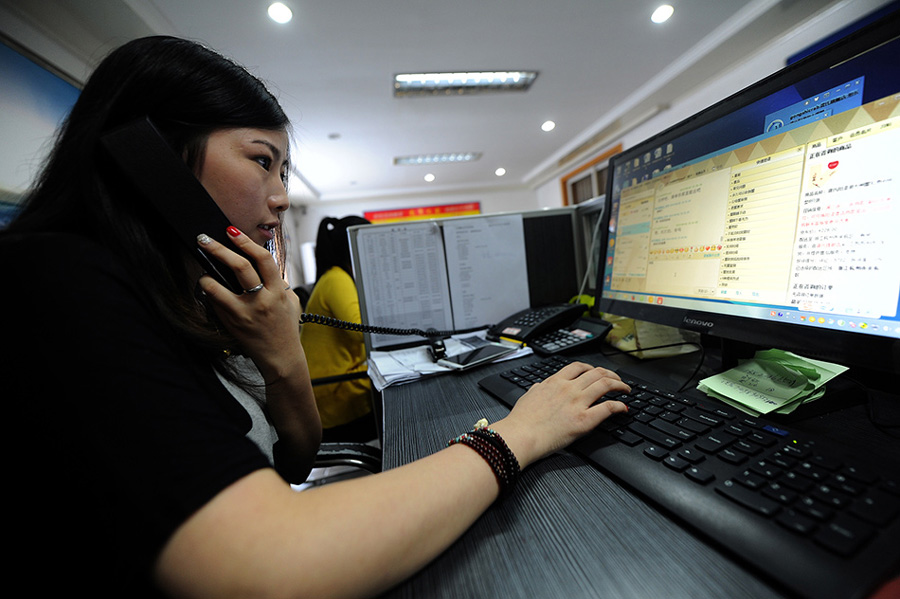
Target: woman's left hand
<point>265,318</point>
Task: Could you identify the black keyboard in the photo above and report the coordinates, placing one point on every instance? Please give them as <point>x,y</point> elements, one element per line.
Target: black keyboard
<point>797,511</point>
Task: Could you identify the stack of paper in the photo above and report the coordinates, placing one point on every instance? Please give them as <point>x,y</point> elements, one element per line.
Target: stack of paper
<point>406,365</point>
<point>773,381</point>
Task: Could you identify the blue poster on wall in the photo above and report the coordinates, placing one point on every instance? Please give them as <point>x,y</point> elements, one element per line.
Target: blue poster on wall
<point>33,102</point>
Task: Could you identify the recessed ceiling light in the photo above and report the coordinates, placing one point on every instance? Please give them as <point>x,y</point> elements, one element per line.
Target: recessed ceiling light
<point>458,83</point>
<point>446,158</point>
<point>548,126</point>
<point>429,177</point>
<point>662,14</point>
<point>500,171</point>
<point>280,13</point>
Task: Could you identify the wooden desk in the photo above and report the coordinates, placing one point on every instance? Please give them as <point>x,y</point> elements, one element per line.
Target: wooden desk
<point>567,531</point>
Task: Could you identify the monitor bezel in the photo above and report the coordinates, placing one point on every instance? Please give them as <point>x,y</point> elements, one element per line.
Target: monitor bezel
<point>872,352</point>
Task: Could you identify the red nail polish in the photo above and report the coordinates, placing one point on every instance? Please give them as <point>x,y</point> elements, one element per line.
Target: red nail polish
<point>234,231</point>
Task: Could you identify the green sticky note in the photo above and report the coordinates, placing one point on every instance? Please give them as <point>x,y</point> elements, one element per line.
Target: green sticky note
<point>823,371</point>
<point>762,386</point>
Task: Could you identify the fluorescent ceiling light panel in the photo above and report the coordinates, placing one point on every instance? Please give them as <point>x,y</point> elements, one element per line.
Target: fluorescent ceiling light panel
<point>431,84</point>
<point>446,158</point>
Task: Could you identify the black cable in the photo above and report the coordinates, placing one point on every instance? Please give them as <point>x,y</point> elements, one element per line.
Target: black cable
<point>697,368</point>
<point>683,343</point>
<point>365,328</point>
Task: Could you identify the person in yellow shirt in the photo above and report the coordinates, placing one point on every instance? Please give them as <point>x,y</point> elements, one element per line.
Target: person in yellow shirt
<point>345,407</point>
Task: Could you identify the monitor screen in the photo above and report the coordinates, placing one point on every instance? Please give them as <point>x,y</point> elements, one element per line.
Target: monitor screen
<point>772,217</point>
<point>462,272</point>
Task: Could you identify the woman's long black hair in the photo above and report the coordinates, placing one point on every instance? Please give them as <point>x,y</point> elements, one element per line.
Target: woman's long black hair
<point>188,91</point>
<point>332,244</point>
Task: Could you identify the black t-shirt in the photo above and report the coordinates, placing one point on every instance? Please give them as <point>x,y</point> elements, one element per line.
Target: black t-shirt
<point>116,434</point>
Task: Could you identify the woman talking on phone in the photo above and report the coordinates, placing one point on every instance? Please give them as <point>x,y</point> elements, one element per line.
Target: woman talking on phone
<point>159,416</point>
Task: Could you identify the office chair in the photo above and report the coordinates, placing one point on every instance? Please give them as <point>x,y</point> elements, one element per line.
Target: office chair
<point>353,454</point>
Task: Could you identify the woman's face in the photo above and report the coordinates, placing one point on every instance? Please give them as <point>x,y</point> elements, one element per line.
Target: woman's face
<point>244,171</point>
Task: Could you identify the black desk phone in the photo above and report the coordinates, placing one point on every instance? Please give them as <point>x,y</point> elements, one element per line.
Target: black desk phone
<point>551,329</point>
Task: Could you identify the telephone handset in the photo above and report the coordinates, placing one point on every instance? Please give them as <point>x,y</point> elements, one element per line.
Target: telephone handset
<point>551,329</point>
<point>162,178</point>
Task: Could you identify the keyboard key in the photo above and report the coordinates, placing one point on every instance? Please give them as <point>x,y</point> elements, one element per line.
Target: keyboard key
<point>795,481</point>
<point>748,448</point>
<point>749,499</point>
<point>627,437</point>
<point>766,469</point>
<point>732,457</point>
<point>672,430</point>
<point>796,522</point>
<point>653,435</point>
<point>830,496</point>
<point>861,474</point>
<point>876,507</point>
<point>814,509</point>
<point>847,485</point>
<point>844,536</point>
<point>676,463</point>
<point>779,493</point>
<point>702,417</point>
<point>751,422</point>
<point>699,475</point>
<point>644,417</point>
<point>691,455</point>
<point>826,462</point>
<point>813,471</point>
<point>751,480</point>
<point>782,460</point>
<point>714,442</point>
<point>776,431</point>
<point>656,452</point>
<point>670,416</point>
<point>692,425</point>
<point>737,430</point>
<point>794,451</point>
<point>761,439</point>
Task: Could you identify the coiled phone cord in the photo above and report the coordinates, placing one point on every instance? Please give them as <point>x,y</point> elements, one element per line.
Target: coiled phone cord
<point>364,328</point>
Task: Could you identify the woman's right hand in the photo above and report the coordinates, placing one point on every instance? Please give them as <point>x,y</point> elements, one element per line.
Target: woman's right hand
<point>559,410</point>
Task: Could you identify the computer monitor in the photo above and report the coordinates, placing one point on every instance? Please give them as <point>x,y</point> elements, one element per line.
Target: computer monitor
<point>772,218</point>
<point>462,272</point>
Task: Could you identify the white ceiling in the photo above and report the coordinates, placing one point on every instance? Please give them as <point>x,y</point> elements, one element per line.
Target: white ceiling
<point>601,64</point>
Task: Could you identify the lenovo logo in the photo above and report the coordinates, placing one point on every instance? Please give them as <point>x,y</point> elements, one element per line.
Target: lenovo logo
<point>690,322</point>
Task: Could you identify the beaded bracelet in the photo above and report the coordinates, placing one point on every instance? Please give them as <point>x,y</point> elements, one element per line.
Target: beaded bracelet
<point>491,446</point>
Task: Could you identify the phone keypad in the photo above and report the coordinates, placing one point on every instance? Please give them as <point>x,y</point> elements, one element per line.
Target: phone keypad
<point>562,339</point>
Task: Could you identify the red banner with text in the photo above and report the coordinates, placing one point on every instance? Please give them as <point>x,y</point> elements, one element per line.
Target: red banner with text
<point>406,214</point>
